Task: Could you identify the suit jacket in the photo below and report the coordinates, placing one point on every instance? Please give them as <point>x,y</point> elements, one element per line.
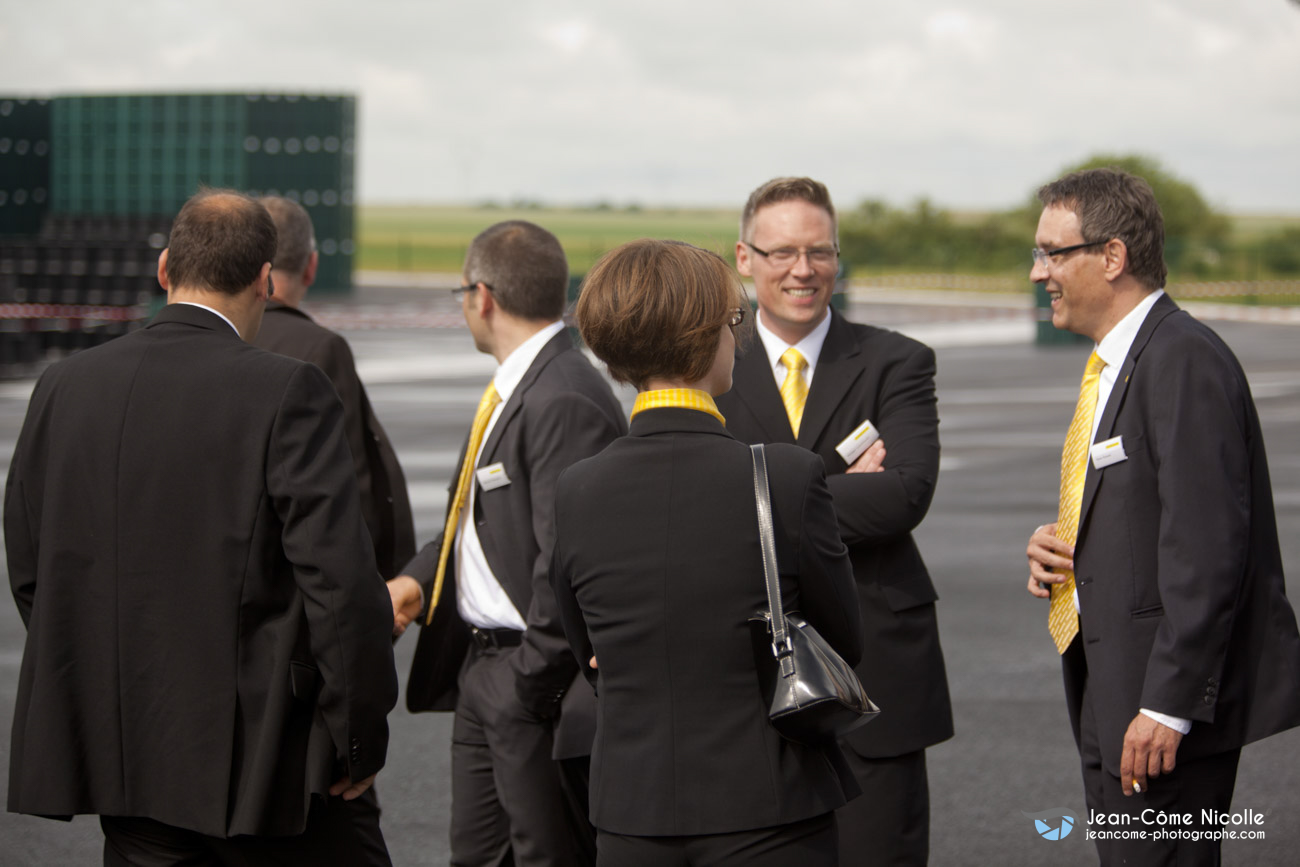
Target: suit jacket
<point>561,412</point>
<point>1181,593</point>
<point>870,373</point>
<point>208,639</point>
<point>658,570</point>
<point>384,501</point>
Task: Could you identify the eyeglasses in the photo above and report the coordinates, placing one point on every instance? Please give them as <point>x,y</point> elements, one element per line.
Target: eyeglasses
<point>785,257</point>
<point>1044,257</point>
<point>461,290</point>
<point>737,316</point>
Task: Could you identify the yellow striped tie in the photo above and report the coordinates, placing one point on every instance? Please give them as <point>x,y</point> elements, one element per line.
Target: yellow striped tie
<point>1063,619</point>
<point>794,391</point>
<point>486,405</point>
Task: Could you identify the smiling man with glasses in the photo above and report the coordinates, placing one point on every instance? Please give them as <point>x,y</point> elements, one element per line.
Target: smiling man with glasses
<point>1168,604</point>
<point>813,378</point>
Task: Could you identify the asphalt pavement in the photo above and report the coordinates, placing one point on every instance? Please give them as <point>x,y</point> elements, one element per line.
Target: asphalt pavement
<point>1004,406</point>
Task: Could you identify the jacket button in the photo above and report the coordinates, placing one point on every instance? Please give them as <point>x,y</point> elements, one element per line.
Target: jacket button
<point>1209,699</point>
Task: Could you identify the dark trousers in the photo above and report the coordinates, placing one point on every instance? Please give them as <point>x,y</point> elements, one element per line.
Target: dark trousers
<point>338,832</point>
<point>809,843</point>
<point>888,825</point>
<point>1194,785</point>
<point>509,801</point>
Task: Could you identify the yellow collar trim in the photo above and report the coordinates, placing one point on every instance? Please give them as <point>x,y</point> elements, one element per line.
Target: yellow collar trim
<point>687,398</point>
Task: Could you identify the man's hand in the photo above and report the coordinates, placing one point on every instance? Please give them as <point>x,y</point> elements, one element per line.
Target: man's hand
<point>870,461</point>
<point>350,790</point>
<point>1149,749</point>
<point>1045,552</point>
<point>408,602</point>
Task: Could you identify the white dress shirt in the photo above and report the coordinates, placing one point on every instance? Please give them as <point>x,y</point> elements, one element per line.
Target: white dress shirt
<point>810,348</point>
<point>211,310</point>
<point>1113,349</point>
<point>480,598</point>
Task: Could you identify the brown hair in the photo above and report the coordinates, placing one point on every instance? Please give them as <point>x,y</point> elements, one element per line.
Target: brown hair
<point>654,308</point>
<point>525,266</point>
<point>219,242</point>
<point>785,190</point>
<point>297,239</point>
<point>1111,203</point>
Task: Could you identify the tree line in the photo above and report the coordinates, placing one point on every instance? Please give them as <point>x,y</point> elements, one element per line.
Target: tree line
<point>1201,243</point>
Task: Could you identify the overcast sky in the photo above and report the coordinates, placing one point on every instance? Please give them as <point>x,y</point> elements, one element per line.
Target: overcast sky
<point>698,101</point>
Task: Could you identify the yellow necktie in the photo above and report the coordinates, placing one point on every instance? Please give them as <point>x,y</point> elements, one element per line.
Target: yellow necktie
<point>481,416</point>
<point>1063,619</point>
<point>794,391</point>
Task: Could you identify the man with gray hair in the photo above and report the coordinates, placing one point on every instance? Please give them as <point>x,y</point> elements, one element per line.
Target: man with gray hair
<point>492,648</point>
<point>1168,604</point>
<point>288,330</point>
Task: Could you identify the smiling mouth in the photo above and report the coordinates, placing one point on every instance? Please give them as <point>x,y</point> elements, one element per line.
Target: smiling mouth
<point>801,292</point>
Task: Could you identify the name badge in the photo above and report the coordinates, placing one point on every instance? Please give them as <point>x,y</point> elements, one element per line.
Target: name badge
<point>853,445</point>
<point>492,477</point>
<point>1109,452</point>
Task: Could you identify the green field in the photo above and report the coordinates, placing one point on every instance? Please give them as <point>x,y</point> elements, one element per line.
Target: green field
<point>414,238</point>
<point>434,238</point>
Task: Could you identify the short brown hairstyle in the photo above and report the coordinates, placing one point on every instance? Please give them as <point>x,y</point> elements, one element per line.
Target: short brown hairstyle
<point>1111,203</point>
<point>654,308</point>
<point>219,242</point>
<point>525,266</point>
<point>296,237</point>
<point>785,190</point>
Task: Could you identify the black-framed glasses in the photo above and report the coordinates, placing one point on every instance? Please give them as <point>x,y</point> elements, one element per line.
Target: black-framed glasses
<point>1044,257</point>
<point>469,287</point>
<point>736,317</point>
<point>785,257</point>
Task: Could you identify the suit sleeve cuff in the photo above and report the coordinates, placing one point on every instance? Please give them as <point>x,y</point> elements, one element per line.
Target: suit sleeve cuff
<point>1178,724</point>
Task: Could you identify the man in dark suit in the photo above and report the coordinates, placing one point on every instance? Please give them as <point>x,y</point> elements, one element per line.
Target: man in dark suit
<point>286,329</point>
<point>1168,600</point>
<point>492,647</point>
<point>385,506</point>
<point>813,378</point>
<point>208,661</point>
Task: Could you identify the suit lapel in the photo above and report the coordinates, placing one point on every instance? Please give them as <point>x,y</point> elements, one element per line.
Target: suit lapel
<point>753,383</point>
<point>835,374</point>
<point>1162,308</point>
<point>556,345</point>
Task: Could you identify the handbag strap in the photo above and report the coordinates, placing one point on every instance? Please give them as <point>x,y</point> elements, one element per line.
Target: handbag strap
<point>763,499</point>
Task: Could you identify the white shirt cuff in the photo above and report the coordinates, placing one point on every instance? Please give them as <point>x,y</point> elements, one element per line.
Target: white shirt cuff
<point>1182,726</point>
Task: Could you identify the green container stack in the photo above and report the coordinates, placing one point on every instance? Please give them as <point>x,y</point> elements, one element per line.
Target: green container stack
<point>144,155</point>
<point>24,165</point>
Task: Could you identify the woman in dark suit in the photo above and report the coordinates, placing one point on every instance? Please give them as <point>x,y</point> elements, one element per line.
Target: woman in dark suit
<point>657,570</point>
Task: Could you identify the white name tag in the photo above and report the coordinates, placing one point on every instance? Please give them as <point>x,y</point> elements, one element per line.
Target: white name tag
<point>1109,452</point>
<point>492,476</point>
<point>853,445</point>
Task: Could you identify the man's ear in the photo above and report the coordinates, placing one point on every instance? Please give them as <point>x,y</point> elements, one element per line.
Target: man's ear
<point>1115,259</point>
<point>742,259</point>
<point>263,283</point>
<point>163,281</point>
<point>484,303</point>
<point>309,273</point>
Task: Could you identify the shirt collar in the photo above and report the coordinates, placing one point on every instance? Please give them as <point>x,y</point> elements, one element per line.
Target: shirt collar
<point>516,364</point>
<point>687,398</point>
<point>1114,347</point>
<point>216,312</point>
<point>810,347</point>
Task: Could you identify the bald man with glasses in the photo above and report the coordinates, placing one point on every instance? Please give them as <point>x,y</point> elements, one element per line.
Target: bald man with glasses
<point>863,399</point>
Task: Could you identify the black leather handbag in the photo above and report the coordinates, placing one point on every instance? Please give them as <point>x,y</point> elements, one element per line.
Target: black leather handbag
<point>813,695</point>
